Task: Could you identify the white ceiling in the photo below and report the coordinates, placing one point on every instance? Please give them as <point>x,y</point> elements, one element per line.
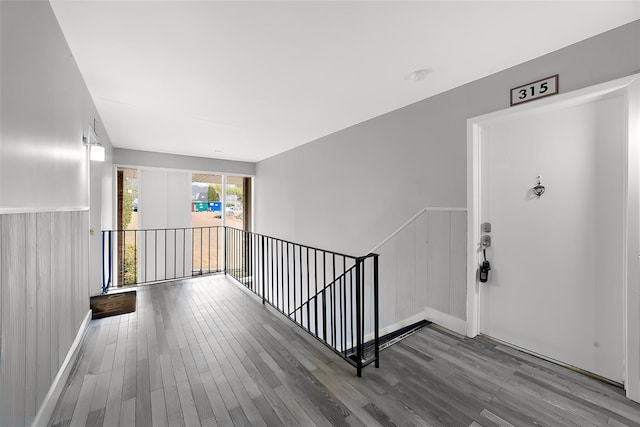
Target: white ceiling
<point>245,80</point>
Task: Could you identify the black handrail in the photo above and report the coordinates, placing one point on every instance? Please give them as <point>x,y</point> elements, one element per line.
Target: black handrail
<point>325,288</point>
<point>340,312</point>
<point>286,274</point>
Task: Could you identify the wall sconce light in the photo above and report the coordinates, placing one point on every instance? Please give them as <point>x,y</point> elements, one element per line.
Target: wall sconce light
<point>96,150</point>
<point>538,189</point>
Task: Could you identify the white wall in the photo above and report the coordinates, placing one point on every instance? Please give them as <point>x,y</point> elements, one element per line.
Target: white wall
<point>45,109</point>
<point>350,190</point>
<point>164,201</point>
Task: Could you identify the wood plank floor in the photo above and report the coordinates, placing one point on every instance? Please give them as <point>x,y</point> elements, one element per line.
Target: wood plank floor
<point>204,352</point>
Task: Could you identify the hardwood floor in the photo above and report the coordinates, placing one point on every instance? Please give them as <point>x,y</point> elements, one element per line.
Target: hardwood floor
<point>204,352</point>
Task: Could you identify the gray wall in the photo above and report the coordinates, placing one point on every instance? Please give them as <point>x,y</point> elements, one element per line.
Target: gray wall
<point>45,111</point>
<point>44,261</point>
<point>350,190</point>
<point>127,157</point>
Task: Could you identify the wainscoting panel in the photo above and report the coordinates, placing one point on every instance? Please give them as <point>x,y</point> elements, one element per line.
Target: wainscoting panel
<point>12,362</point>
<point>423,270</point>
<point>31,300</point>
<point>44,375</point>
<point>43,302</point>
<point>458,266</point>
<point>438,261</point>
<point>406,259</point>
<point>388,282</point>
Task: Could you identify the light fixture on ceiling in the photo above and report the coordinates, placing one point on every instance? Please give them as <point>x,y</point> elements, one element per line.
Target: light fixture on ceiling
<point>96,150</point>
<point>418,75</point>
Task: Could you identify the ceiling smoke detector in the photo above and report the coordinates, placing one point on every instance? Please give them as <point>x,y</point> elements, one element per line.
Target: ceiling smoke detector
<point>418,75</point>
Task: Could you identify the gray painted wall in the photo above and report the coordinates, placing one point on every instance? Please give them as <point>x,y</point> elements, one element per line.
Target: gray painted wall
<point>45,111</point>
<point>44,263</point>
<point>350,190</point>
<point>127,157</point>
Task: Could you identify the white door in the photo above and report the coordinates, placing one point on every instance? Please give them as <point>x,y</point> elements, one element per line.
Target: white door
<point>556,284</point>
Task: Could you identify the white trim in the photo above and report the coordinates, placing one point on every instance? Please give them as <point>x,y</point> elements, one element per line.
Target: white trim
<point>631,291</point>
<point>51,399</point>
<point>473,227</point>
<point>630,90</point>
<point>40,209</point>
<point>445,320</point>
<point>413,218</point>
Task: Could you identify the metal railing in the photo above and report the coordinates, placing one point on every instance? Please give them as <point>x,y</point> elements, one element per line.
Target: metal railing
<point>333,296</point>
<point>137,257</point>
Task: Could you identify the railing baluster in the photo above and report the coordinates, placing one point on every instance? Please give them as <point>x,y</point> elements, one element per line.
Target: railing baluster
<point>325,323</point>
<point>123,236</point>
<point>357,319</point>
<point>237,266</point>
<point>288,284</point>
<point>351,304</point>
<point>376,313</point>
<point>315,281</point>
<point>308,294</point>
<point>301,284</point>
<point>184,252</point>
<point>262,269</point>
<point>343,322</point>
<point>155,256</point>
<point>277,295</point>
<point>146,254</point>
<point>333,304</point>
<point>295,301</point>
<point>360,298</point>
<point>218,256</point>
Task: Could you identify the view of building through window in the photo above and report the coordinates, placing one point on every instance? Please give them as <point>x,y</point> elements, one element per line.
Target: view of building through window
<point>214,202</point>
<point>207,201</point>
<point>206,220</point>
<point>235,202</point>
<point>213,206</point>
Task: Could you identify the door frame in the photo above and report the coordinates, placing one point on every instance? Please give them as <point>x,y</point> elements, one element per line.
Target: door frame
<point>629,89</point>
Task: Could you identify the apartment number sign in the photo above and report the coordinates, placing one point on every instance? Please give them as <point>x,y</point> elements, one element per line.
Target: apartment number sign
<point>534,90</point>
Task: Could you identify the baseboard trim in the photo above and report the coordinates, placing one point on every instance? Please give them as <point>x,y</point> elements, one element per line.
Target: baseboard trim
<point>446,320</point>
<point>397,326</point>
<point>49,403</point>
